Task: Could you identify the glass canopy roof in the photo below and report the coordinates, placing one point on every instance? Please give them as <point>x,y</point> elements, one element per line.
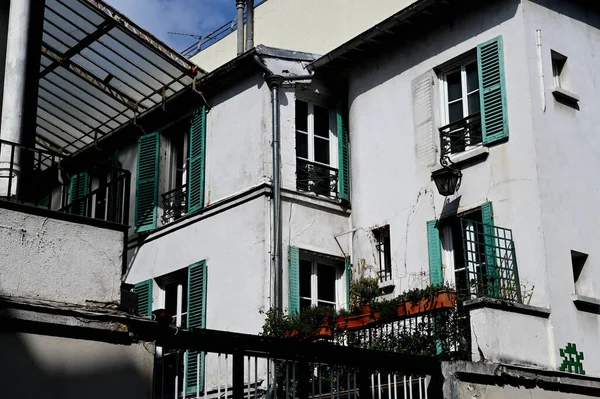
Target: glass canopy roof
<point>98,72</point>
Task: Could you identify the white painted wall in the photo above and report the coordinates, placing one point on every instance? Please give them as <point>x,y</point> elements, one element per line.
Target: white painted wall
<point>567,143</point>
<point>534,180</point>
<point>312,26</point>
<point>50,259</point>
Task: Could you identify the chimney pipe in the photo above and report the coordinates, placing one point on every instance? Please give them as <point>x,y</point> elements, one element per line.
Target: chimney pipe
<point>249,24</point>
<point>240,26</point>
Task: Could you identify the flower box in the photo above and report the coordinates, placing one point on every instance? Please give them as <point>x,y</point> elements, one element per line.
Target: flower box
<point>354,322</point>
<point>442,299</point>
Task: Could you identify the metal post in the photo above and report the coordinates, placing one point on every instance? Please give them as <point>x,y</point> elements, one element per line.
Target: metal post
<point>303,380</point>
<point>274,82</point>
<point>240,26</point>
<point>249,24</point>
<point>364,389</point>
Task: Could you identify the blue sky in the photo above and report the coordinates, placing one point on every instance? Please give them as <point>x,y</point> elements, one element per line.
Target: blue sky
<point>183,16</point>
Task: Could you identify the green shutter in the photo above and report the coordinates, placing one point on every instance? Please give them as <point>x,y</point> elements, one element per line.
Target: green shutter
<point>78,188</point>
<point>348,279</point>
<point>196,318</point>
<point>294,273</point>
<point>195,186</point>
<point>143,293</point>
<point>492,90</point>
<point>44,202</point>
<point>146,199</point>
<point>115,190</point>
<point>343,152</point>
<point>487,217</point>
<point>434,245</point>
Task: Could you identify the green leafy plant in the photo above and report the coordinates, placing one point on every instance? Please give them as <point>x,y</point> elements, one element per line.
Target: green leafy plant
<point>303,325</point>
<point>387,309</point>
<point>363,290</point>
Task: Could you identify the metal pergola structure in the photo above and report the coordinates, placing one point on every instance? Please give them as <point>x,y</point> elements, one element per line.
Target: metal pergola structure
<point>98,72</point>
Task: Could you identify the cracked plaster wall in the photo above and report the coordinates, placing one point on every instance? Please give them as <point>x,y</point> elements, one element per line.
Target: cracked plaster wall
<point>50,259</point>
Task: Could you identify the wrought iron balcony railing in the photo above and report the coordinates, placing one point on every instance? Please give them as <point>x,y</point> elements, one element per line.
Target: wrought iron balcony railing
<point>461,135</point>
<point>317,178</point>
<point>174,204</point>
<point>490,262</point>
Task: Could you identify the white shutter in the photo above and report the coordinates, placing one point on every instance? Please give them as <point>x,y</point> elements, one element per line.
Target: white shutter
<point>423,116</point>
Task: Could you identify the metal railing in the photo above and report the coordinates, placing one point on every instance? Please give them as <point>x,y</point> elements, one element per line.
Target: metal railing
<point>28,174</point>
<point>108,202</point>
<point>174,204</point>
<point>316,178</point>
<point>490,262</point>
<point>442,332</point>
<point>461,135</point>
<point>241,366</point>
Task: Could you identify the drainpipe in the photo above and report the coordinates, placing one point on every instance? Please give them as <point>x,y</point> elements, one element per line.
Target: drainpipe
<point>249,24</point>
<point>240,26</point>
<point>275,82</point>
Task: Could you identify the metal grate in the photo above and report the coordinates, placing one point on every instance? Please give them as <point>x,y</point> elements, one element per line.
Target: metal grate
<point>461,135</point>
<point>175,204</point>
<point>490,260</point>
<point>317,178</point>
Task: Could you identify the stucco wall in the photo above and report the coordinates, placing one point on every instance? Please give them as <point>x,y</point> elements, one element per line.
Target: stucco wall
<point>313,26</point>
<point>567,145</point>
<point>51,259</point>
<point>34,366</point>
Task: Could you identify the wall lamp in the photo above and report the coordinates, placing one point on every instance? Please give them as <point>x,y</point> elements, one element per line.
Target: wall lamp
<point>447,179</point>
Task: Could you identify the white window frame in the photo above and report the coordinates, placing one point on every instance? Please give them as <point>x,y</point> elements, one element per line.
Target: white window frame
<point>314,278</point>
<point>448,247</point>
<point>333,139</point>
<point>458,65</point>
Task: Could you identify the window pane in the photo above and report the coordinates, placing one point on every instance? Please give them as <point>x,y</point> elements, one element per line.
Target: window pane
<point>472,77</point>
<point>301,145</point>
<point>305,273</point>
<point>326,279</point>
<point>473,103</point>
<point>304,304</point>
<point>301,115</point>
<point>321,150</point>
<point>321,121</point>
<point>455,111</point>
<point>454,86</point>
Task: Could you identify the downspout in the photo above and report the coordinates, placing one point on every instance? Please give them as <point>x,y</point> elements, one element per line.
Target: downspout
<point>240,26</point>
<point>249,24</point>
<point>275,82</point>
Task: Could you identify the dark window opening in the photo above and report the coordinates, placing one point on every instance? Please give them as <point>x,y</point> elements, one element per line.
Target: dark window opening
<point>384,252</point>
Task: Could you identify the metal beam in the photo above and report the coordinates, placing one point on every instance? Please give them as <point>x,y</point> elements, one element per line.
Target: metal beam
<point>88,76</point>
<point>134,30</point>
<point>89,39</point>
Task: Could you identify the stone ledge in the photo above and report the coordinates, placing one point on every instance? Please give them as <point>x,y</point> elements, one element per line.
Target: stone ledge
<point>507,307</point>
<point>586,303</point>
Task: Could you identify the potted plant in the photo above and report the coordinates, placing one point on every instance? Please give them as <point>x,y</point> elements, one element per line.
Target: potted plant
<point>425,300</point>
<point>362,292</point>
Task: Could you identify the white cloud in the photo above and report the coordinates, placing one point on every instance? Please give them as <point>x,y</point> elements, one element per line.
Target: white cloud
<point>183,16</point>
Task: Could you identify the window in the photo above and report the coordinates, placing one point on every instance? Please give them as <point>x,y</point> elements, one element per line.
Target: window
<point>316,149</point>
<point>475,256</point>
<point>170,362</point>
<point>559,73</point>
<point>319,277</point>
<point>581,277</point>
<point>461,107</point>
<point>174,200</point>
<point>384,252</point>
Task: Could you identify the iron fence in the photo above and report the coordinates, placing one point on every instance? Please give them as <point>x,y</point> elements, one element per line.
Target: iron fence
<point>174,204</point>
<point>317,178</point>
<point>241,366</point>
<point>461,135</point>
<point>490,262</point>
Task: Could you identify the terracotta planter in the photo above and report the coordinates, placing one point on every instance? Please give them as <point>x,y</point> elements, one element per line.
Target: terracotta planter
<point>401,309</point>
<point>443,299</point>
<point>376,316</point>
<point>366,308</point>
<point>341,322</point>
<point>326,331</point>
<point>290,334</point>
<point>359,321</point>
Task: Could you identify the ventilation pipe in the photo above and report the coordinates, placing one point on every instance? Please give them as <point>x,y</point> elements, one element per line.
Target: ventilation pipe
<point>240,26</point>
<point>275,82</point>
<point>249,24</point>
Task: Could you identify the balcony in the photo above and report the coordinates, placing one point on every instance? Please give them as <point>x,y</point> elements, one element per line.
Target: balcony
<point>36,177</point>
<point>174,204</point>
<point>490,263</point>
<point>316,178</point>
<point>461,135</point>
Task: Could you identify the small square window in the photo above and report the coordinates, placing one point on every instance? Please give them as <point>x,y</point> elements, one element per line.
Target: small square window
<point>559,73</point>
<point>384,251</point>
<point>580,273</point>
